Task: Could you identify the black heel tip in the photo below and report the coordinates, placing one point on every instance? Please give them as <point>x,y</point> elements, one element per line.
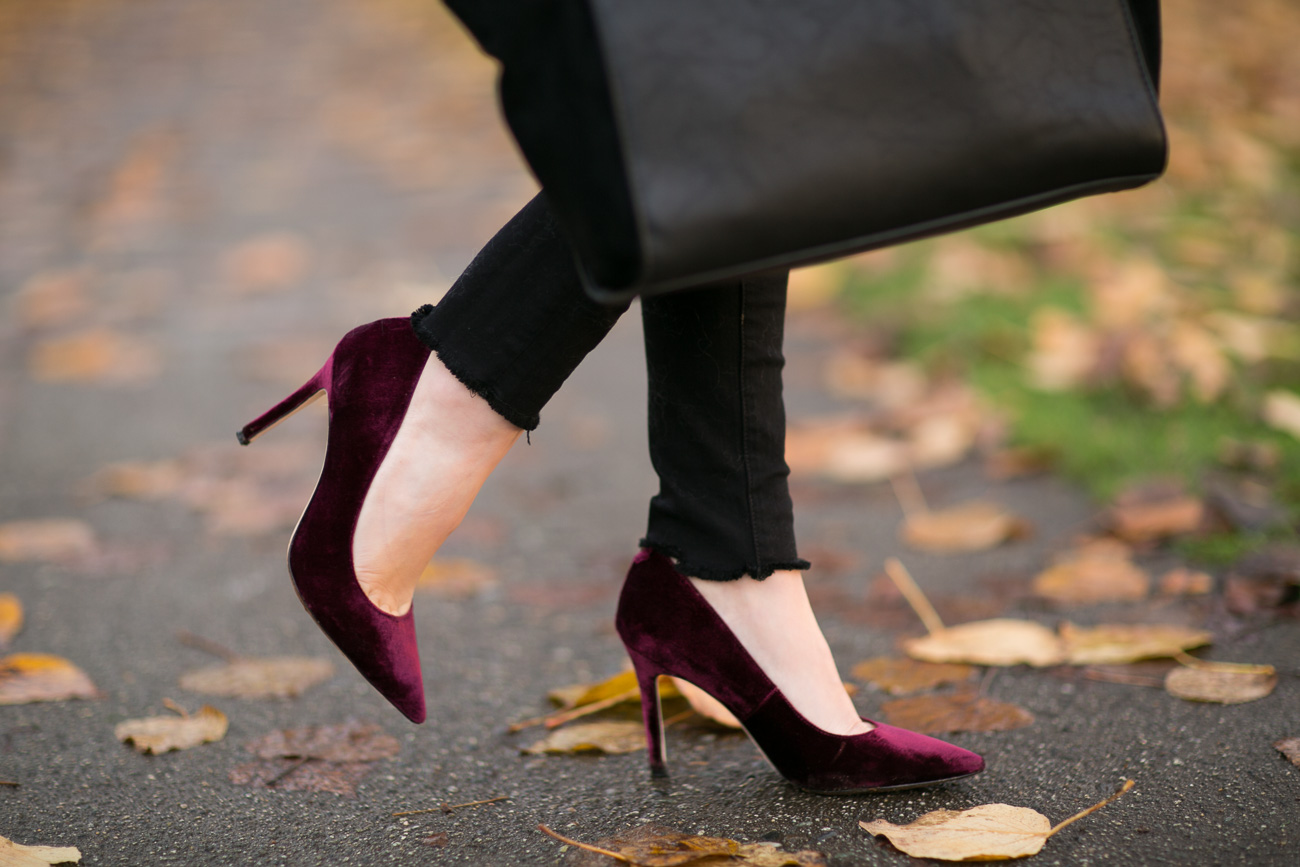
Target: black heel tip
<point>659,773</point>
<point>242,437</point>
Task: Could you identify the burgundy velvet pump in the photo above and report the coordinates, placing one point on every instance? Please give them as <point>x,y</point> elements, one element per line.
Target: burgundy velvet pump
<point>368,381</point>
<point>669,629</point>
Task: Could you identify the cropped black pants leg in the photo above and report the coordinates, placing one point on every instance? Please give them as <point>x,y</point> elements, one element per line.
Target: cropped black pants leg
<point>517,323</point>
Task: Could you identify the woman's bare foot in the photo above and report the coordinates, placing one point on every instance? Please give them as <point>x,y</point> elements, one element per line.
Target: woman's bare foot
<point>773,619</point>
<point>448,444</point>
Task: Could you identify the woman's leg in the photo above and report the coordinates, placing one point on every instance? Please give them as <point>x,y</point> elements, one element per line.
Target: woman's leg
<point>504,338</point>
<point>723,511</point>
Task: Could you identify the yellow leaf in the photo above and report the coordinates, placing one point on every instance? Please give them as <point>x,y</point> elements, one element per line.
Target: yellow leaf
<point>1116,643</point>
<point>29,677</point>
<point>1219,687</point>
<point>269,677</point>
<point>17,855</point>
<point>46,539</point>
<point>903,676</point>
<point>11,618</point>
<point>973,526</point>
<point>1002,641</point>
<point>160,734</point>
<point>706,705</point>
<point>611,738</point>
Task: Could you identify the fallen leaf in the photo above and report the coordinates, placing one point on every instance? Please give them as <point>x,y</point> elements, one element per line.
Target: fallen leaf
<point>1289,747</point>
<point>95,355</point>
<point>1090,575</point>
<point>50,539</point>
<point>1065,350</point>
<point>53,298</point>
<point>989,832</point>
<point>17,855</point>
<point>329,758</point>
<point>903,676</point>
<point>1015,463</point>
<point>267,677</point>
<point>1158,519</point>
<point>964,711</point>
<point>1282,411</point>
<point>160,734</point>
<point>657,846</point>
<point>813,287</point>
<point>1185,582</point>
<point>456,578</point>
<point>973,526</point>
<point>611,738</point>
<point>1219,687</point>
<point>580,694</point>
<point>351,741</point>
<point>438,840</point>
<point>137,480</point>
<point>30,677</point>
<point>844,450</point>
<point>1116,643</point>
<point>1002,641</point>
<point>11,618</point>
<point>1246,505</point>
<point>267,263</point>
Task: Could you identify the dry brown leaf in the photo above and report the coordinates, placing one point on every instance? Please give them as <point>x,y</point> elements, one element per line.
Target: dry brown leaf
<point>17,855</point>
<point>656,846</point>
<point>30,677</point>
<point>1282,411</point>
<point>903,676</point>
<point>609,737</point>
<point>456,578</point>
<point>973,526</point>
<point>989,832</point>
<point>964,711</point>
<point>1065,350</point>
<point>1091,575</point>
<point>1185,582</point>
<point>137,480</point>
<point>267,263</point>
<point>53,298</point>
<point>1160,519</point>
<point>1219,687</point>
<point>95,355</point>
<point>1122,642</point>
<point>941,440</point>
<point>267,677</point>
<point>1003,641</point>
<point>1014,463</point>
<point>1289,747</point>
<point>50,539</point>
<point>844,450</point>
<point>160,734</point>
<point>11,618</point>
<point>351,741</point>
<point>302,775</point>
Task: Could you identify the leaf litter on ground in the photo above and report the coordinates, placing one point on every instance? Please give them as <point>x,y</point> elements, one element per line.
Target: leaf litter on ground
<point>901,676</point>
<point>1290,749</point>
<point>33,677</point>
<point>455,578</point>
<point>180,731</point>
<point>972,526</point>
<point>325,758</point>
<point>1219,682</point>
<point>610,737</point>
<point>54,540</point>
<point>989,832</point>
<point>657,846</point>
<point>1097,571</point>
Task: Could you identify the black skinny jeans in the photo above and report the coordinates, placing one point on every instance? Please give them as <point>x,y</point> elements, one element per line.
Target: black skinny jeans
<point>516,324</point>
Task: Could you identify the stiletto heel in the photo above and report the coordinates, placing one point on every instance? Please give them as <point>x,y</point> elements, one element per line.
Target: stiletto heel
<point>669,629</point>
<point>303,397</point>
<point>647,679</point>
<point>368,380</point>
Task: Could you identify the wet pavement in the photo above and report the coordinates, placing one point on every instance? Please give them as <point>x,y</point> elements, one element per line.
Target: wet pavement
<point>196,200</point>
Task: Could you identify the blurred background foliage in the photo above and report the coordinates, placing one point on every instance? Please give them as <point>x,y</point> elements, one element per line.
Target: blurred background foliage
<point>1148,333</point>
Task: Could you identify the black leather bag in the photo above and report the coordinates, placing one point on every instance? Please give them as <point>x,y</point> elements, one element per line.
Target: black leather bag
<point>686,141</point>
